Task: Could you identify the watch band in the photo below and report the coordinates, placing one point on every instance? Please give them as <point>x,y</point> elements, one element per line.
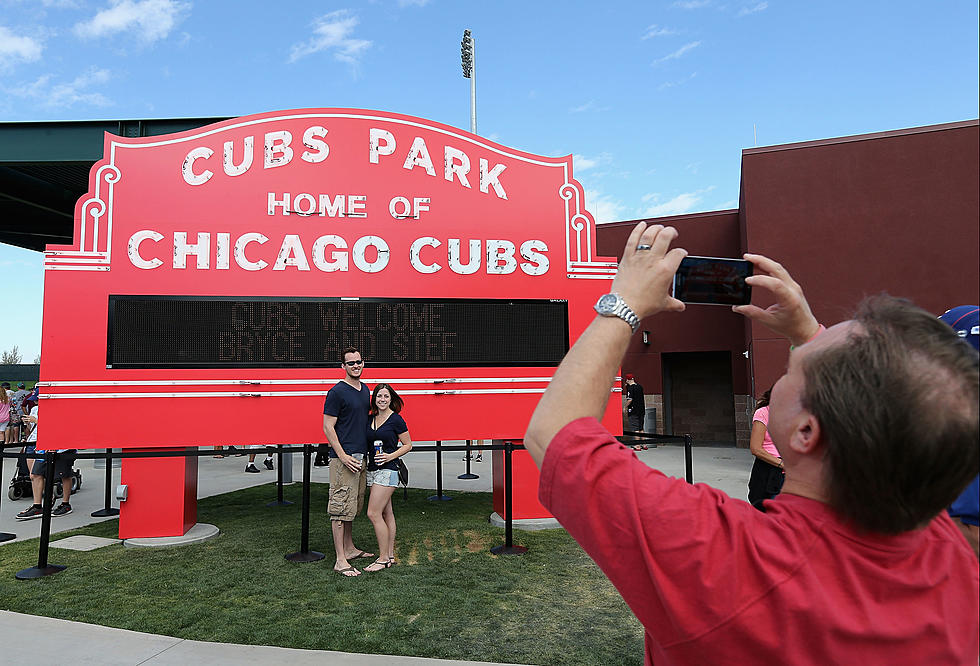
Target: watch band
<point>620,309</point>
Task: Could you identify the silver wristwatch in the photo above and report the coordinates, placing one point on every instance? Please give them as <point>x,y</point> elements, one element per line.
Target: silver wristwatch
<point>612,305</point>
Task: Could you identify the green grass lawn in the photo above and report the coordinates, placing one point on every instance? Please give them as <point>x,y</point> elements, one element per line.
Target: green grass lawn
<point>447,597</point>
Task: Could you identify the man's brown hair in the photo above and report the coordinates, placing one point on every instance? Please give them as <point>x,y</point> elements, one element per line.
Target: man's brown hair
<point>897,407</point>
<point>348,350</point>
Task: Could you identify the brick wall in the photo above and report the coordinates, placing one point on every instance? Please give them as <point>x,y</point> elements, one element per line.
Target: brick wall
<point>744,409</point>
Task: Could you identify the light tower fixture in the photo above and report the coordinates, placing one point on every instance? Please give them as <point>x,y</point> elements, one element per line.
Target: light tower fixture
<point>468,52</point>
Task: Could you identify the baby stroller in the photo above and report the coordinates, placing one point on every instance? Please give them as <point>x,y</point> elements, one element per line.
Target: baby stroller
<point>20,485</point>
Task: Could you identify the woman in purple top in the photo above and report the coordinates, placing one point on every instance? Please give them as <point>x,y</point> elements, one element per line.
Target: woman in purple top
<point>387,433</point>
<point>767,477</point>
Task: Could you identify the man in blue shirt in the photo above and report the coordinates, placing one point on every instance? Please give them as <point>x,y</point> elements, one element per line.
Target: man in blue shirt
<point>345,415</point>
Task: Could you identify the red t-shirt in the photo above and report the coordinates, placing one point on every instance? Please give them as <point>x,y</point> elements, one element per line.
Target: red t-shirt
<point>715,581</point>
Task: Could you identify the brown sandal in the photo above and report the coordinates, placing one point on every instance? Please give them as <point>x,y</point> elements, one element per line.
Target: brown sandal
<point>381,566</point>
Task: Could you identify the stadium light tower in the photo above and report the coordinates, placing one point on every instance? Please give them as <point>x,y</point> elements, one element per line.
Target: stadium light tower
<point>468,52</point>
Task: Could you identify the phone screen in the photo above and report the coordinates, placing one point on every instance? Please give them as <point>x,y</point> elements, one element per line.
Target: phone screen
<point>713,281</point>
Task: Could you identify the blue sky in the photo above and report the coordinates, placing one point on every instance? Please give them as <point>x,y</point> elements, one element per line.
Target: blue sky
<point>655,99</point>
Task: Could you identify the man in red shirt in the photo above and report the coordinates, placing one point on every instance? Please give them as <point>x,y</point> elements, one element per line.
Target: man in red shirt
<point>876,421</point>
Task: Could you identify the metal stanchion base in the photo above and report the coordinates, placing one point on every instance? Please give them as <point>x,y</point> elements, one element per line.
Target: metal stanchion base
<point>508,550</point>
<point>468,476</point>
<point>278,503</point>
<point>439,498</point>
<point>6,536</point>
<point>312,556</point>
<point>103,513</point>
<point>39,572</point>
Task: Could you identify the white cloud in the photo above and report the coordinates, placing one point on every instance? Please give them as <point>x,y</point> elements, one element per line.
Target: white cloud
<point>333,32</point>
<point>758,7</point>
<point>591,105</point>
<point>691,4</point>
<point>581,163</point>
<point>678,53</point>
<point>18,48</point>
<point>682,203</point>
<point>150,20</point>
<point>410,3</point>
<point>673,84</point>
<point>64,95</point>
<point>656,31</point>
<point>603,207</point>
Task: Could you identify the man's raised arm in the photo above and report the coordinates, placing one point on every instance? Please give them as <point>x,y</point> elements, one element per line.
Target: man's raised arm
<point>582,382</point>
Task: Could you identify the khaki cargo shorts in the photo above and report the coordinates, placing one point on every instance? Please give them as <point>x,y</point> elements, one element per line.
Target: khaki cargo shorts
<point>346,491</point>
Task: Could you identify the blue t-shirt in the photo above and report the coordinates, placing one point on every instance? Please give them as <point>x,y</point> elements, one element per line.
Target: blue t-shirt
<point>350,406</point>
<point>388,433</point>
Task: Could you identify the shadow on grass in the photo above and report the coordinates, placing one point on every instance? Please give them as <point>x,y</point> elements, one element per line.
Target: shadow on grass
<point>448,597</point>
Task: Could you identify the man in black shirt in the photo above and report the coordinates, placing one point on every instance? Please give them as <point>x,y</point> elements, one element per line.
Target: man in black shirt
<point>345,415</point>
<point>635,406</point>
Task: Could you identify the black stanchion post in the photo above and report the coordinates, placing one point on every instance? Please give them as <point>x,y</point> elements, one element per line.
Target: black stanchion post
<point>468,474</point>
<point>688,460</point>
<point>305,554</point>
<point>43,568</point>
<point>108,509</point>
<point>279,500</point>
<point>439,497</point>
<point>5,536</point>
<point>508,548</point>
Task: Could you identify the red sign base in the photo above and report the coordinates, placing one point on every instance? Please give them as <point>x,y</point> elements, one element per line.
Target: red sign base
<point>163,496</point>
<point>525,485</point>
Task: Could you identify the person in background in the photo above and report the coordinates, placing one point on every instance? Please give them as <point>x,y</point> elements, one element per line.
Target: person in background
<point>4,414</point>
<point>856,560</point>
<point>388,434</point>
<point>250,466</point>
<point>965,510</point>
<point>478,443</point>
<point>62,471</point>
<point>767,476</point>
<point>635,407</point>
<point>12,432</point>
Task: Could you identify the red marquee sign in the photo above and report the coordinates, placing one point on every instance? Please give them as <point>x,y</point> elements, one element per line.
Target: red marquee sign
<point>217,274</point>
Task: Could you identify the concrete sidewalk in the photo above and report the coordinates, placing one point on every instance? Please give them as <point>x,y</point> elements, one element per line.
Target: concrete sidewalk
<point>27,639</point>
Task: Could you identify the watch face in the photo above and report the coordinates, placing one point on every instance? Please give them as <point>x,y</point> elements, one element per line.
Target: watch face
<point>607,303</point>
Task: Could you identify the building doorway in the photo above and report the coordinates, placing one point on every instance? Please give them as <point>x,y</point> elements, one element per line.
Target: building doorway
<point>698,396</point>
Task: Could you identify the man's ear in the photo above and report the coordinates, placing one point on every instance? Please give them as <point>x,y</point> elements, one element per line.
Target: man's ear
<point>805,439</point>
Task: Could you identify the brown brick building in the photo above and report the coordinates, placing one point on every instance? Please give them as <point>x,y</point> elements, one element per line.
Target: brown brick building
<point>893,211</point>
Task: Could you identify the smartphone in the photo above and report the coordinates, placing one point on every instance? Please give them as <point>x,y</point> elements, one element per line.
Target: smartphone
<point>713,281</point>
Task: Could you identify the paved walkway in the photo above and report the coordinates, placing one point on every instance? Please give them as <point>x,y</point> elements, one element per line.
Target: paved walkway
<point>26,639</point>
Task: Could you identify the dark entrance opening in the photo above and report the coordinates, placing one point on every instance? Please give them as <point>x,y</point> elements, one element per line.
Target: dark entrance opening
<point>698,397</point>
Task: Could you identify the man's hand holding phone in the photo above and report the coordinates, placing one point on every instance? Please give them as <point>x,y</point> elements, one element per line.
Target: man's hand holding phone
<point>790,315</point>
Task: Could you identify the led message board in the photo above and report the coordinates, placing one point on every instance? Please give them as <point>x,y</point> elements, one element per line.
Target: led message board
<point>224,332</point>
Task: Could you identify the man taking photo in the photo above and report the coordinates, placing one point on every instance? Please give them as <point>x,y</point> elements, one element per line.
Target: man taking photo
<point>856,561</point>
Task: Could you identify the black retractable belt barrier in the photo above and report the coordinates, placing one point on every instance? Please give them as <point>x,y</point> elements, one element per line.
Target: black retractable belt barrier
<point>5,536</point>
<point>688,460</point>
<point>439,497</point>
<point>108,509</point>
<point>468,474</point>
<point>508,548</point>
<point>279,500</point>
<point>305,554</point>
<point>43,568</point>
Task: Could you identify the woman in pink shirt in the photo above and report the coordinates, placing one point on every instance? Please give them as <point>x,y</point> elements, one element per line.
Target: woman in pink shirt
<point>766,479</point>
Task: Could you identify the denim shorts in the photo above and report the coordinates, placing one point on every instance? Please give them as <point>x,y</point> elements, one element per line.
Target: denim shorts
<point>383,477</point>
